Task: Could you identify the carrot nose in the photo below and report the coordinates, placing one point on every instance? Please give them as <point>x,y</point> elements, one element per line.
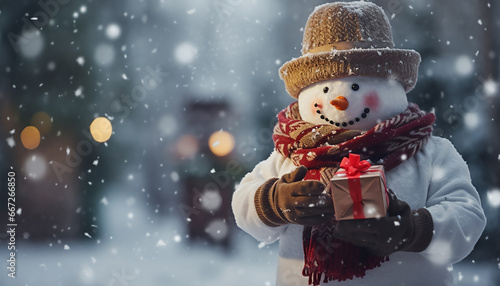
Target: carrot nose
<point>340,103</point>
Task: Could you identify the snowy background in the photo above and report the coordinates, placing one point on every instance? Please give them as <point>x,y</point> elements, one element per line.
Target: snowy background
<point>151,205</point>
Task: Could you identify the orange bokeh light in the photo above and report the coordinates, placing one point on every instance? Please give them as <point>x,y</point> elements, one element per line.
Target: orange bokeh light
<point>221,143</point>
<point>30,137</point>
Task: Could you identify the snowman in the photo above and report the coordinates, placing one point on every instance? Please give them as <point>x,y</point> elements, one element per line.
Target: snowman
<point>357,102</point>
<point>350,84</point>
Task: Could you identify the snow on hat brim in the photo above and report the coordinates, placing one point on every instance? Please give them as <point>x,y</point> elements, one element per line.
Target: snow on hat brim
<point>399,64</point>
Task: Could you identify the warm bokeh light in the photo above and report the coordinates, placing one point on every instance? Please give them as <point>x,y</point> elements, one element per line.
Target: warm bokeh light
<point>101,129</point>
<point>221,143</point>
<point>187,146</point>
<point>42,121</point>
<point>30,137</point>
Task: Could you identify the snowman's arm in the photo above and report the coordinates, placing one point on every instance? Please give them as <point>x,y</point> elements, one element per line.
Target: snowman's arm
<point>243,198</point>
<point>454,204</point>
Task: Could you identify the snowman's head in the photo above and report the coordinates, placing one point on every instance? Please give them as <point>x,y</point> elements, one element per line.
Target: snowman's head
<point>357,102</point>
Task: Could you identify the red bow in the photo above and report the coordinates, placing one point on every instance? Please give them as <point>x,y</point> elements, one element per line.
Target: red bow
<point>353,165</point>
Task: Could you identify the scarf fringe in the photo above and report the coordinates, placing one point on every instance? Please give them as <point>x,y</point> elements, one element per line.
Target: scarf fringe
<point>335,259</point>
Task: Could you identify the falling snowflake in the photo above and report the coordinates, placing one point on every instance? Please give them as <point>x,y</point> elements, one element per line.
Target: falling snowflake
<point>104,201</point>
<point>438,173</point>
<point>11,142</point>
<point>161,243</point>
<point>113,31</point>
<point>494,198</point>
<point>174,176</point>
<point>80,60</point>
<point>472,120</point>
<point>78,91</point>
<point>490,87</point>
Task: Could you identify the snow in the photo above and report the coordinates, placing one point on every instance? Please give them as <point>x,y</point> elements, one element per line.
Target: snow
<point>79,91</point>
<point>185,53</point>
<point>35,166</point>
<point>10,141</point>
<point>438,173</point>
<point>174,176</point>
<point>167,125</point>
<point>494,197</point>
<point>353,7</point>
<point>160,243</point>
<point>104,201</point>
<point>441,250</point>
<point>472,120</point>
<point>104,54</point>
<point>490,87</point>
<point>113,31</point>
<point>464,65</point>
<point>34,44</point>
<point>156,254</point>
<point>161,258</point>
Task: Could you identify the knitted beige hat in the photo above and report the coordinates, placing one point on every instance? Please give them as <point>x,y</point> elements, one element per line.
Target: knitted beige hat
<point>349,39</point>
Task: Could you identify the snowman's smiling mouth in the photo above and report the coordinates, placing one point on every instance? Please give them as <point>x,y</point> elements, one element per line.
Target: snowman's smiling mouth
<point>344,123</point>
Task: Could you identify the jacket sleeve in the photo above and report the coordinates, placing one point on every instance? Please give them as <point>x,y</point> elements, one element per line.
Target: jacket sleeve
<point>454,204</point>
<point>243,199</point>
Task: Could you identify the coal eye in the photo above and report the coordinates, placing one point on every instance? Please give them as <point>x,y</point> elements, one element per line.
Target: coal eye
<point>325,89</point>
<point>354,86</point>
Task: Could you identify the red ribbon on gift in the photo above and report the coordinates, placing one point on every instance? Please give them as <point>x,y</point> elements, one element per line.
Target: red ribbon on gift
<point>354,166</point>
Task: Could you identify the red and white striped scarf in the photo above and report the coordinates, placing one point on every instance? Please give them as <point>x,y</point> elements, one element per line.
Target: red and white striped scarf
<point>321,148</point>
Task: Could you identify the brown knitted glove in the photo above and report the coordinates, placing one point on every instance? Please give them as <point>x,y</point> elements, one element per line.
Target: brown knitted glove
<point>402,230</point>
<point>291,200</point>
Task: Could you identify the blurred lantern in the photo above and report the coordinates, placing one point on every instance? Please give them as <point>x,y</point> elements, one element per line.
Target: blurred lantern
<point>101,129</point>
<point>221,143</point>
<point>42,121</point>
<point>187,146</point>
<point>30,137</point>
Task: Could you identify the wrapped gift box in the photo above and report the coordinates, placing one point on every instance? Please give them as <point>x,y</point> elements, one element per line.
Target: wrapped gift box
<point>359,192</point>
